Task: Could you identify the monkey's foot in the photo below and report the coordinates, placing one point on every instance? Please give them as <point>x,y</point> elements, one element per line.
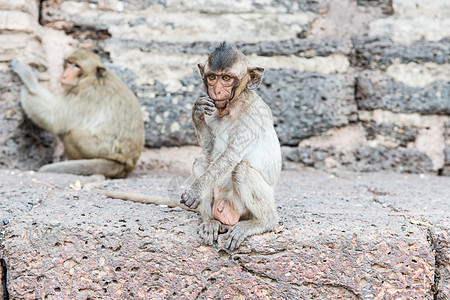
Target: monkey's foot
<point>235,236</point>
<point>209,231</point>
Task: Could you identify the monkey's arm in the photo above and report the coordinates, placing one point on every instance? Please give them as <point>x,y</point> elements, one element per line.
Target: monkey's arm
<point>27,76</point>
<point>203,106</point>
<point>39,103</point>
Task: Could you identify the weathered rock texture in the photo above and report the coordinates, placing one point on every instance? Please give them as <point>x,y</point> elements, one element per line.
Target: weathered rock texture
<point>329,65</point>
<point>22,144</point>
<point>342,236</point>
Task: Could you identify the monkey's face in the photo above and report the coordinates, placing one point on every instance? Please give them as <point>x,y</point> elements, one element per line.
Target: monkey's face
<point>69,77</point>
<point>221,87</point>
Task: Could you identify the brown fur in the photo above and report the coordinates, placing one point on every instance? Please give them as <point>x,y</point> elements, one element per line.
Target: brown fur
<point>99,119</point>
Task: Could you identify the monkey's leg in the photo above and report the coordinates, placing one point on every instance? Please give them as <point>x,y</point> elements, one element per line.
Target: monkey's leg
<point>106,167</point>
<point>257,196</point>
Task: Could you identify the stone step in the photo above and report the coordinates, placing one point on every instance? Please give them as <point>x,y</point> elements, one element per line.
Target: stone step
<point>344,235</point>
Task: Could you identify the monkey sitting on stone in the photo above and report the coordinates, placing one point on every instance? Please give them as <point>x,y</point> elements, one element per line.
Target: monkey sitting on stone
<point>233,180</point>
<point>98,118</point>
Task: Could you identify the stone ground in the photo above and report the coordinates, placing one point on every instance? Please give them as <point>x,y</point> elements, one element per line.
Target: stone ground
<point>342,235</point>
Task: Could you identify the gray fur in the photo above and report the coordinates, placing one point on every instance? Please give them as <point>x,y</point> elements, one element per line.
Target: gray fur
<point>241,156</point>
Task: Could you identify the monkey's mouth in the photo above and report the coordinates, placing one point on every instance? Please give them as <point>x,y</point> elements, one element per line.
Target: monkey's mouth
<point>67,86</point>
<point>220,103</point>
<point>220,100</point>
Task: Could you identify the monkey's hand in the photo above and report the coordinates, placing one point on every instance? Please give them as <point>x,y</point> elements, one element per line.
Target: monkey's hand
<point>29,78</point>
<point>203,106</point>
<point>190,198</point>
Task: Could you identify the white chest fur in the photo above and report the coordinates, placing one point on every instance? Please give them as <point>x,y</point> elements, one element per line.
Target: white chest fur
<point>221,132</point>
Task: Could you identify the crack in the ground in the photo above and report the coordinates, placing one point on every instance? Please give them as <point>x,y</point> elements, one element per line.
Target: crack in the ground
<point>264,277</point>
<point>272,280</point>
<point>437,276</point>
<point>3,287</point>
<point>3,271</point>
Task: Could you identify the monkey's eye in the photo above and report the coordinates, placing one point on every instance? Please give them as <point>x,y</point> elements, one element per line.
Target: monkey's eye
<point>212,77</point>
<point>74,65</point>
<point>226,77</point>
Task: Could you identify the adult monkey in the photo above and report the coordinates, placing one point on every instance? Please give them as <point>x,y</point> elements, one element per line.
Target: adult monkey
<point>233,181</point>
<point>97,118</point>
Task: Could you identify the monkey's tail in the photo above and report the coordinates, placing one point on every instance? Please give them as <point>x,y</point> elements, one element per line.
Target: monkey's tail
<point>146,199</point>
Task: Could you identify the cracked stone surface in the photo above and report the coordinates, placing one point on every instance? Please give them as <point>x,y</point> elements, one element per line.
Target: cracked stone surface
<point>329,65</point>
<point>341,235</point>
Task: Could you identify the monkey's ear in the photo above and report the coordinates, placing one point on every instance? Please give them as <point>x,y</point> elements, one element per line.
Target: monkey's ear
<point>100,72</point>
<point>201,68</point>
<point>256,75</point>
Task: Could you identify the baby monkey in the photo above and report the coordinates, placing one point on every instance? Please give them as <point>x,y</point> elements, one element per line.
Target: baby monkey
<point>233,181</point>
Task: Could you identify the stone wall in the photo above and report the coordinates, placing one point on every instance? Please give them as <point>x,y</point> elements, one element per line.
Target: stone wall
<point>22,145</point>
<point>362,84</point>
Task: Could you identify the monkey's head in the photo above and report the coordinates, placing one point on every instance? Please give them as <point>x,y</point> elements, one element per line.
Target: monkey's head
<point>227,73</point>
<point>81,65</point>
